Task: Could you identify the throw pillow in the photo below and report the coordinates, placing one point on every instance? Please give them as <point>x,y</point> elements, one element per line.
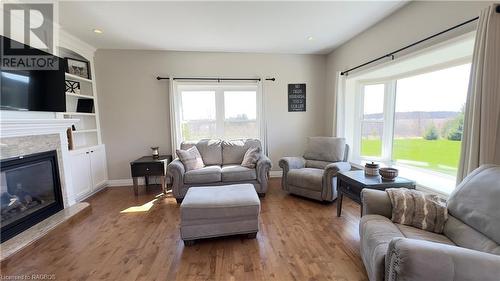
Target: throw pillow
<point>418,209</point>
<point>191,158</point>
<point>251,157</point>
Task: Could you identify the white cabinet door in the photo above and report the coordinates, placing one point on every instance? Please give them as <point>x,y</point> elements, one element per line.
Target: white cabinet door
<point>98,166</point>
<point>80,173</point>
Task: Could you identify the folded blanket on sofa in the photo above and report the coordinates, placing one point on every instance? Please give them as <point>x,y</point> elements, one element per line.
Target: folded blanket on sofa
<point>418,209</point>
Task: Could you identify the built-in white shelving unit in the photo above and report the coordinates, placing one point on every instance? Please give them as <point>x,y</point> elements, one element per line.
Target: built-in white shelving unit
<point>86,133</point>
<point>87,168</point>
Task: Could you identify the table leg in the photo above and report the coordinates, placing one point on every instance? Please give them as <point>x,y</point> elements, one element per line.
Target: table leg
<point>163,186</point>
<point>146,180</point>
<point>136,185</point>
<point>339,202</point>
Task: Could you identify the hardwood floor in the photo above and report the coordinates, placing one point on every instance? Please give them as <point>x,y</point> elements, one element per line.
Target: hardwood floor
<point>299,239</point>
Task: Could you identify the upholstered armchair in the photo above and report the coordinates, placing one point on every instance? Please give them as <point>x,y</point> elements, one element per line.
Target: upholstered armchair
<point>314,174</point>
<point>468,248</point>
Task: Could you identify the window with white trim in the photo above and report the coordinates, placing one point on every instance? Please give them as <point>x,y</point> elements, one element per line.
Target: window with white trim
<point>222,111</point>
<point>415,121</point>
<point>409,114</point>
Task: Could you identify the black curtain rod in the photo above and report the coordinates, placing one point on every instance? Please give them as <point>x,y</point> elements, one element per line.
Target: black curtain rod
<point>215,79</point>
<point>391,54</point>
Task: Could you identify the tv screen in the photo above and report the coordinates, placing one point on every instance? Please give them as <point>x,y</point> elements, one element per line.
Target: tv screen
<point>32,90</point>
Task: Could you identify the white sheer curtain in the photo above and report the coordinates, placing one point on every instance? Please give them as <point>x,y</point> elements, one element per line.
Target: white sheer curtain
<point>481,135</point>
<point>175,118</point>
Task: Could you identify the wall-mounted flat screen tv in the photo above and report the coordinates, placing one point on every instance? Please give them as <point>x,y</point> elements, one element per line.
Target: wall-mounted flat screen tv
<point>32,87</point>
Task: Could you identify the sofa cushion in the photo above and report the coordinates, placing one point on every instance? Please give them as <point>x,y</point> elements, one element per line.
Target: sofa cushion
<point>325,149</point>
<point>467,237</point>
<point>206,174</point>
<point>317,164</point>
<point>375,234</point>
<point>228,201</point>
<point>308,178</point>
<point>234,150</point>
<point>237,173</point>
<point>419,234</point>
<point>475,203</point>
<point>210,150</point>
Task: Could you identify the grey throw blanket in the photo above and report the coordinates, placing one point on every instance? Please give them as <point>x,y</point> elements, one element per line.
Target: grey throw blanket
<point>418,209</point>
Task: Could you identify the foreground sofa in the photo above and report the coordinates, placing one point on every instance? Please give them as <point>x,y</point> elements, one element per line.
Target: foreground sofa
<point>469,248</point>
<point>222,167</point>
<point>314,175</point>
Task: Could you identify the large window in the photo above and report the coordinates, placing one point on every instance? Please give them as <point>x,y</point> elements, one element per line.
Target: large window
<point>415,121</point>
<point>372,123</point>
<point>428,119</point>
<point>219,111</point>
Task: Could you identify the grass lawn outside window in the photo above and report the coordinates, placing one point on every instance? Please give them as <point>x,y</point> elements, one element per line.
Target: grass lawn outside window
<point>440,155</point>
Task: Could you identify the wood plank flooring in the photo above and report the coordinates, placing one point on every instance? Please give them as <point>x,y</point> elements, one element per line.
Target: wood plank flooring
<point>128,238</point>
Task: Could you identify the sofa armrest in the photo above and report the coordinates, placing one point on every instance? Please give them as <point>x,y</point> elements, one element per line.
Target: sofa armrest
<point>175,170</point>
<point>375,202</point>
<point>263,166</point>
<point>410,259</point>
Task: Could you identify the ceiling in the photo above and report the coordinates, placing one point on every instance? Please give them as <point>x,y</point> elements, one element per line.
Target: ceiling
<point>257,27</point>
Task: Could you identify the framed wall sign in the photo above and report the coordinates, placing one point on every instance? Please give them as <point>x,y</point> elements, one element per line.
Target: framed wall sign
<point>296,97</point>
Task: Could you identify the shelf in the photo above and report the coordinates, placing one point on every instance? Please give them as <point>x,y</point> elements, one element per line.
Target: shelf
<point>78,113</point>
<point>85,131</point>
<point>78,78</point>
<point>80,96</point>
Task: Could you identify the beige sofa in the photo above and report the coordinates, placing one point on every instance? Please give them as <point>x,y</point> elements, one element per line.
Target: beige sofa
<point>222,160</point>
<point>469,248</point>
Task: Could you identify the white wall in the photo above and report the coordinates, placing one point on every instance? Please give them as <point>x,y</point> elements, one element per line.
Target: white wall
<point>134,109</point>
<point>413,22</point>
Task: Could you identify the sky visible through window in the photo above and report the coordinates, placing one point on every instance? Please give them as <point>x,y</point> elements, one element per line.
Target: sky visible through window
<point>442,90</point>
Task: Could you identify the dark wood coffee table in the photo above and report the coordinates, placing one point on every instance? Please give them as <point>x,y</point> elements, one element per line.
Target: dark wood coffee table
<point>148,166</point>
<point>351,183</point>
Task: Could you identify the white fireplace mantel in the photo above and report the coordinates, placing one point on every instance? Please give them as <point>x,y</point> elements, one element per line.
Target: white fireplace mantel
<point>29,127</point>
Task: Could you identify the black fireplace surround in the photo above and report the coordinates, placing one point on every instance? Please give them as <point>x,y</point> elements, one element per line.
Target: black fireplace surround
<point>30,191</point>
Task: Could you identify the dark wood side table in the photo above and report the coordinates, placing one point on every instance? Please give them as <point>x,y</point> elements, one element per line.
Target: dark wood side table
<point>351,183</point>
<point>148,166</point>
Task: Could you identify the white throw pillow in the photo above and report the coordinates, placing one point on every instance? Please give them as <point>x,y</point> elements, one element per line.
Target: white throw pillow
<point>191,158</point>
<point>251,157</point>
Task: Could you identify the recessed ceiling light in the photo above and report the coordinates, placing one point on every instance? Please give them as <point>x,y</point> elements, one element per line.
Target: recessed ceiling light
<point>98,31</point>
<point>310,38</point>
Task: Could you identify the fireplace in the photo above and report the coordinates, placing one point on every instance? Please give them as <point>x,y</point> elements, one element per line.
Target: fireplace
<point>30,191</point>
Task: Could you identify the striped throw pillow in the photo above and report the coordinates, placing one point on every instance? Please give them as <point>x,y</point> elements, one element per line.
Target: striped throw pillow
<point>191,158</point>
<point>251,157</point>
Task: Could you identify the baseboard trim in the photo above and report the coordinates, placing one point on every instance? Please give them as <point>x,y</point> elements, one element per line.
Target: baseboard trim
<point>275,174</point>
<point>124,182</point>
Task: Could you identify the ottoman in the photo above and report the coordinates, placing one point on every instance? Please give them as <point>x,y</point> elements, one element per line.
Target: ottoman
<point>213,211</point>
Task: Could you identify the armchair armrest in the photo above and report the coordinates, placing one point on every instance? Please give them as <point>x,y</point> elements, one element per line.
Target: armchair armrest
<point>333,168</point>
<point>262,168</point>
<point>289,163</point>
<point>329,191</point>
<point>410,259</point>
<point>375,202</point>
<point>175,170</point>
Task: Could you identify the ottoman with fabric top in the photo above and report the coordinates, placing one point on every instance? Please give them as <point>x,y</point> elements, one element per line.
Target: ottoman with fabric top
<point>211,211</point>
